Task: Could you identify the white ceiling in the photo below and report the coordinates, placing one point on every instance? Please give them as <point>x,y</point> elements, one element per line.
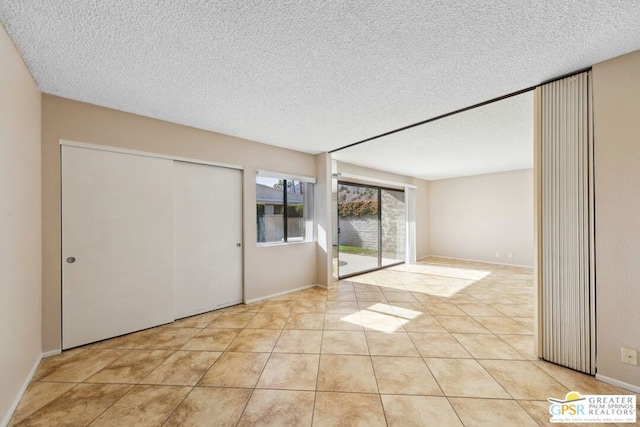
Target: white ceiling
<point>309,75</point>
<point>493,138</point>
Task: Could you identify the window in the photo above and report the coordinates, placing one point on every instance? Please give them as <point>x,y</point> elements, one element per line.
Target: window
<point>284,209</point>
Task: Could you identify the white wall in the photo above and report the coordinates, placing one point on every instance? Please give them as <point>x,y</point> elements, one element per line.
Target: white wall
<point>475,217</point>
<point>267,269</point>
<point>616,103</point>
<point>20,237</point>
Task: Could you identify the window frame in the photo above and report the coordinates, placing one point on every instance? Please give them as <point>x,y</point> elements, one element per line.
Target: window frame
<point>307,203</point>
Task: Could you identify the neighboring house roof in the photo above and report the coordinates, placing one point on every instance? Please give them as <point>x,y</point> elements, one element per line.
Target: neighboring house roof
<point>273,196</point>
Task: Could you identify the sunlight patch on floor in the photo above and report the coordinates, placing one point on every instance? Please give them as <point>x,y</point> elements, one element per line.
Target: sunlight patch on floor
<point>382,317</point>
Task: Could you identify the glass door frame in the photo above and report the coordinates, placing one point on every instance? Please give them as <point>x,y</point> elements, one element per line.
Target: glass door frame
<point>379,214</point>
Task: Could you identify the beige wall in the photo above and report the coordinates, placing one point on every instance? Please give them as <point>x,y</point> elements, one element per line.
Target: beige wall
<point>268,270</point>
<point>422,198</point>
<point>475,217</point>
<point>20,236</point>
<point>323,220</point>
<point>616,101</point>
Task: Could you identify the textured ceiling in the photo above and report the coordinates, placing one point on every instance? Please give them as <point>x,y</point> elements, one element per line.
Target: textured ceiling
<point>309,75</point>
<point>492,138</point>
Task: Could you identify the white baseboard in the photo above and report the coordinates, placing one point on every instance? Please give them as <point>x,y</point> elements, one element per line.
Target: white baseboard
<point>51,353</point>
<point>618,383</point>
<point>253,300</point>
<point>476,260</point>
<point>16,401</point>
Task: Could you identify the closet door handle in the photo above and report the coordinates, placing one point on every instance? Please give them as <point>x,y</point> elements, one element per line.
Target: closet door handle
<point>71,259</point>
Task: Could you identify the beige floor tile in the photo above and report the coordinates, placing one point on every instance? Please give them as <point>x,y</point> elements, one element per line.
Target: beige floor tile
<point>344,342</point>
<point>390,344</point>
<point>348,409</point>
<point>403,296</point>
<point>277,307</point>
<point>523,380</point>
<point>478,309</point>
<point>365,283</point>
<point>503,326</point>
<point>129,341</point>
<point>404,375</point>
<point>299,341</point>
<point>212,340</point>
<point>243,308</point>
<point>514,310</point>
<point>464,377</point>
<point>51,363</point>
<point>208,406</point>
<point>279,408</point>
<point>370,296</point>
<point>292,296</point>
<point>83,365</point>
<point>377,308</point>
<point>438,344</point>
<point>408,411</point>
<point>461,324</point>
<point>235,370</point>
<point>256,340</point>
<point>199,321</point>
<point>341,296</point>
<point>576,381</point>
<point>37,395</point>
<point>346,373</point>
<point>342,322</point>
<point>321,340</point>
<point>131,368</point>
<point>539,411</point>
<point>491,413</point>
<point>444,309</point>
<point>268,320</point>
<point>290,371</point>
<point>182,368</point>
<point>522,343</point>
<point>77,406</point>
<point>231,320</point>
<point>313,306</point>
<point>409,310</point>
<point>305,321</point>
<point>423,323</point>
<point>487,346</point>
<point>381,322</point>
<point>342,307</point>
<point>168,338</point>
<point>143,405</point>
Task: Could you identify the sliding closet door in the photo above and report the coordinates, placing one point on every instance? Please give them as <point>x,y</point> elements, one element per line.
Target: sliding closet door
<point>117,251</point>
<point>568,295</point>
<point>207,238</point>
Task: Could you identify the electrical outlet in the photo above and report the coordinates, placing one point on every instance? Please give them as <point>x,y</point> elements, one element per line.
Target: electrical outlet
<point>497,254</point>
<point>629,356</point>
<point>510,255</point>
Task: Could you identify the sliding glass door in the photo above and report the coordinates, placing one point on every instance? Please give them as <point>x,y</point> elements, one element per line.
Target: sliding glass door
<point>371,228</point>
<point>393,226</point>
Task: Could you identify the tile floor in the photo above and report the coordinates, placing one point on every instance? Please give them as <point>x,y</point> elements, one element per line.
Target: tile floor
<point>442,342</point>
